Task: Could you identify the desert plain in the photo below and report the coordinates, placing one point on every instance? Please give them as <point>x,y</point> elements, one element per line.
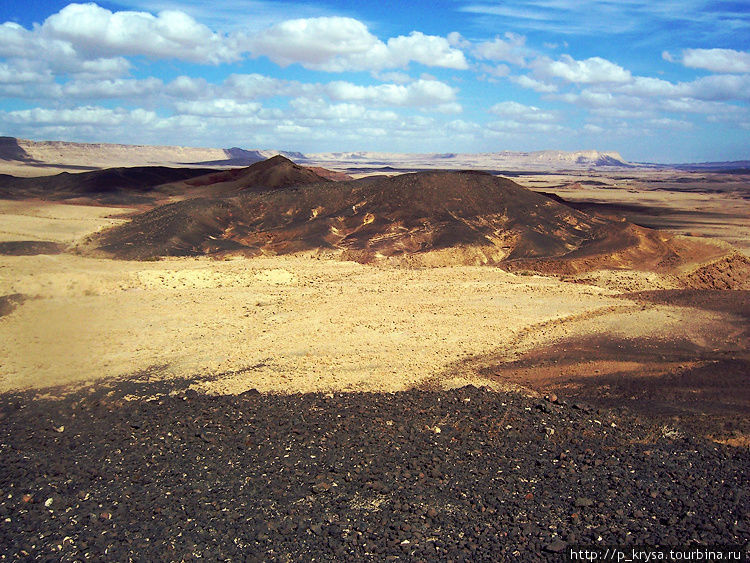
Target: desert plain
<point>281,362</point>
<point>311,320</point>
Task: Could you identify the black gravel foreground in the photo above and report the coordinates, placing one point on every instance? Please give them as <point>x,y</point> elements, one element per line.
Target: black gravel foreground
<point>461,475</point>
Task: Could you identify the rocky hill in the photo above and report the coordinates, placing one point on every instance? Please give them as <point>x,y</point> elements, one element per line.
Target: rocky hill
<point>425,218</point>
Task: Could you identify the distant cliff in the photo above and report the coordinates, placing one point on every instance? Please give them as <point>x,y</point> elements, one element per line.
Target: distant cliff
<point>43,154</point>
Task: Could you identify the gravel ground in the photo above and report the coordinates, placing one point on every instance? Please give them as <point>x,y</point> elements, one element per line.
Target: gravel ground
<point>466,474</point>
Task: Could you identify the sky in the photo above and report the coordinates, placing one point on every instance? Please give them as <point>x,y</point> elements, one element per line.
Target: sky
<point>656,80</point>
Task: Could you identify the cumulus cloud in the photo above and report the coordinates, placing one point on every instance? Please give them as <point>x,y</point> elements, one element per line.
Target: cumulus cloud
<point>523,127</point>
<point>85,115</point>
<point>462,127</point>
<point>11,74</point>
<point>592,128</point>
<point>517,111</point>
<point>188,87</point>
<point>718,110</point>
<point>429,50</point>
<point>221,107</point>
<point>495,71</point>
<point>315,42</point>
<point>25,48</point>
<point>338,44</point>
<point>717,60</point>
<point>533,84</point>
<point>512,49</point>
<point>668,123</point>
<point>594,70</point>
<point>254,86</point>
<point>718,87</point>
<point>343,112</point>
<point>419,93</point>
<point>592,99</point>
<point>117,88</point>
<point>169,34</point>
<point>714,87</point>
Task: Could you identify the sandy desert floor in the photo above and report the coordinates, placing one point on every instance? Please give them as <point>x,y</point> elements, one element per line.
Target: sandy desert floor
<point>298,323</point>
<point>705,204</point>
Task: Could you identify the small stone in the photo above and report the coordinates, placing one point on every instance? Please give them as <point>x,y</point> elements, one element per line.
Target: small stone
<point>60,429</point>
<point>556,546</point>
<point>584,502</point>
<point>321,487</point>
<point>27,498</point>
<point>48,502</point>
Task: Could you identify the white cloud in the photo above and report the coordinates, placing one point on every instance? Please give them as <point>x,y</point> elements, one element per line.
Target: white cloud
<point>591,99</point>
<point>337,44</point>
<point>189,87</point>
<point>24,47</point>
<point>429,50</point>
<point>117,88</point>
<point>220,107</point>
<point>717,60</point>
<point>512,49</point>
<point>495,71</point>
<point>523,127</point>
<point>648,87</point>
<point>516,111</point>
<point>714,87</point>
<point>456,40</point>
<point>254,86</point>
<point>92,29</point>
<point>419,93</point>
<point>719,87</point>
<point>344,112</point>
<point>451,107</point>
<point>691,105</point>
<point>619,113</point>
<point>461,126</point>
<point>395,76</point>
<point>668,123</point>
<point>10,74</point>
<point>86,115</point>
<point>533,84</point>
<point>315,42</point>
<point>592,128</point>
<point>594,70</point>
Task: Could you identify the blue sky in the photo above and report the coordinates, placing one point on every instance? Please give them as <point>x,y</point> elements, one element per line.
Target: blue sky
<point>665,81</point>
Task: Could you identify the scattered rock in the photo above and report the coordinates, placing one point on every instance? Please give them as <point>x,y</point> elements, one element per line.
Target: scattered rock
<point>282,477</point>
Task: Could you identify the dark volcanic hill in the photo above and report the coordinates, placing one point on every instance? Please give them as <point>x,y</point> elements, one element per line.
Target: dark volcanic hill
<point>426,218</point>
<point>110,185</point>
<point>149,184</point>
<point>274,173</point>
